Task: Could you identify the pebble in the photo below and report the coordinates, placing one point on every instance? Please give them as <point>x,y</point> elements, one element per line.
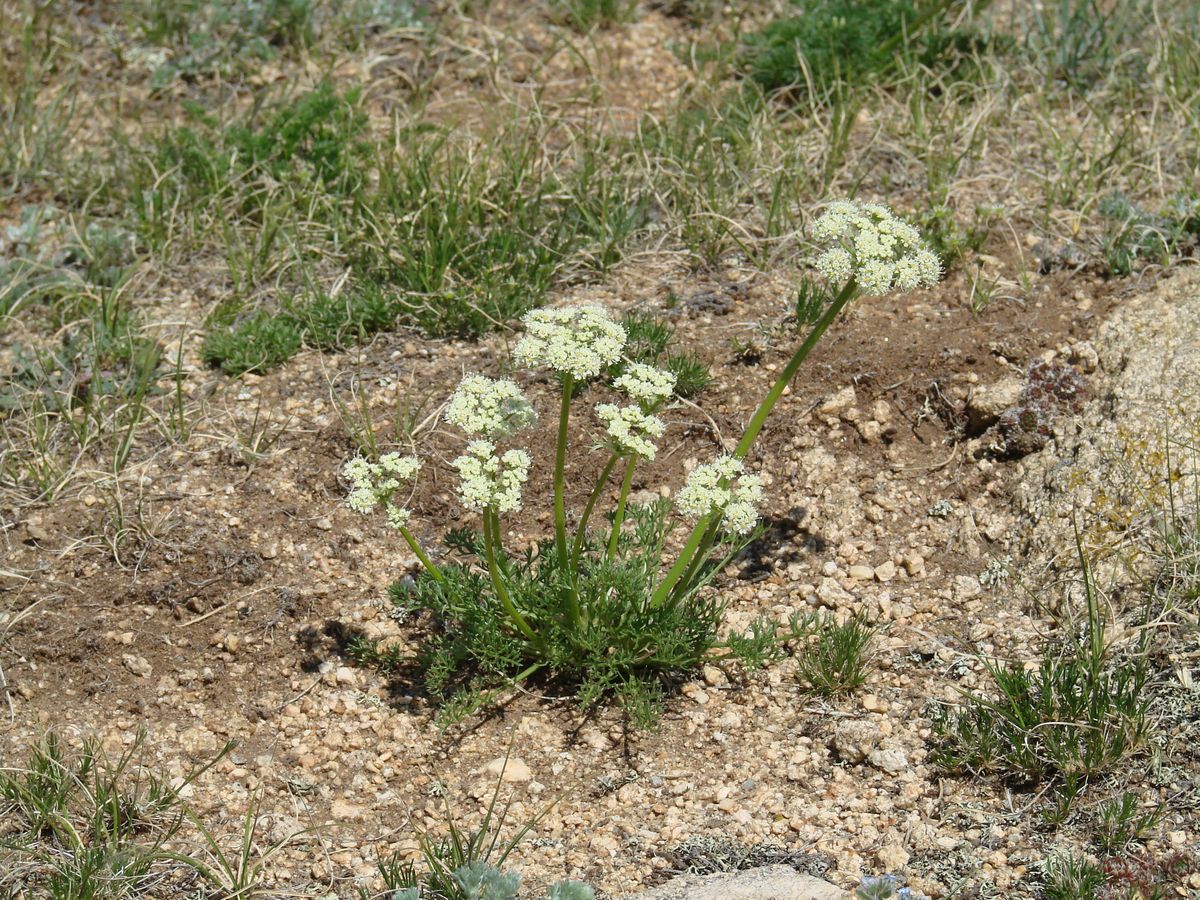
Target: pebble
<point>512,770</point>
<point>137,665</point>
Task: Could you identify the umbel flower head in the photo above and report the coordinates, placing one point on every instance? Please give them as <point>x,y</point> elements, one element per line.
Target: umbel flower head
<point>646,384</point>
<point>492,407</point>
<point>490,481</point>
<point>630,430</point>
<point>374,483</point>
<point>724,488</point>
<point>872,245</point>
<point>577,340</point>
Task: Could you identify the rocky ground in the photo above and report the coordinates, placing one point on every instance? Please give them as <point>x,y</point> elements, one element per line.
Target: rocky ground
<point>230,625</point>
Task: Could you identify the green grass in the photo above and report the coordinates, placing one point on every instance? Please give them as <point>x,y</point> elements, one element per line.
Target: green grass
<point>585,15</point>
<point>832,45</point>
<point>87,825</point>
<point>832,657</point>
<point>1082,712</point>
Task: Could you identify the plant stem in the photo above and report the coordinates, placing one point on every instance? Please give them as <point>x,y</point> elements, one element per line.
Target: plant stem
<point>685,558</point>
<point>491,531</point>
<point>710,536</point>
<point>619,514</point>
<point>425,560</point>
<point>560,461</point>
<point>700,534</point>
<point>580,535</point>
<point>789,371</point>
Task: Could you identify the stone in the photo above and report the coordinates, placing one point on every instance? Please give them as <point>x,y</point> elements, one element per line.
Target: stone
<point>345,675</point>
<point>510,769</point>
<point>892,857</point>
<point>890,760</point>
<point>714,677</point>
<point>137,665</point>
<point>832,594</point>
<point>862,573</point>
<point>885,571</point>
<point>854,739</point>
<point>987,403</point>
<point>764,883</point>
<point>840,401</point>
<point>345,811</point>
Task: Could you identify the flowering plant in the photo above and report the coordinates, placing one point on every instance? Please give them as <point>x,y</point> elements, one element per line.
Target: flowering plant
<point>598,609</point>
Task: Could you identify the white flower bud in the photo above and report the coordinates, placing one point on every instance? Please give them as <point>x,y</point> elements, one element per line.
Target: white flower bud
<point>874,247</point>
<point>630,429</point>
<point>494,408</point>
<point>579,340</point>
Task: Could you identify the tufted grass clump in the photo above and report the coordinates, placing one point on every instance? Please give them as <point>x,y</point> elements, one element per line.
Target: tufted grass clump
<point>833,656</point>
<point>1083,711</point>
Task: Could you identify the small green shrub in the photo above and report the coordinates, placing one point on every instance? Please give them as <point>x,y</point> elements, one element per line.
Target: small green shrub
<point>257,343</point>
<point>84,824</point>
<point>832,44</point>
<point>467,865</point>
<point>832,657</point>
<point>1068,877</point>
<point>318,136</point>
<point>1080,713</point>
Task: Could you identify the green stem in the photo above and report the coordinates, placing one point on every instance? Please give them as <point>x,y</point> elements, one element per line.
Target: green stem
<point>491,532</point>
<point>580,535</point>
<point>619,514</point>
<point>560,462</point>
<point>681,564</point>
<point>793,366</point>
<point>710,536</point>
<point>425,560</point>
<point>700,534</point>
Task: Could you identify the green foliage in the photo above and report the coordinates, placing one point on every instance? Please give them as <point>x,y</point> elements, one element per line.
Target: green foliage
<point>472,241</point>
<point>1068,877</point>
<point>1143,235</point>
<point>467,865</point>
<point>229,37</point>
<point>1080,41</point>
<point>257,343</point>
<point>585,15</point>
<point>626,649</point>
<point>692,374</point>
<point>264,340</point>
<point>85,825</point>
<point>832,657</point>
<point>832,44</point>
<point>1071,715</point>
<point>1121,821</point>
<point>317,137</point>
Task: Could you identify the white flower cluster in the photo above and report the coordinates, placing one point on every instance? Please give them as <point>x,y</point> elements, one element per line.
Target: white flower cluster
<point>490,481</point>
<point>722,487</point>
<point>875,247</point>
<point>630,429</point>
<point>492,407</point>
<point>578,340</point>
<point>375,483</point>
<point>646,384</point>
